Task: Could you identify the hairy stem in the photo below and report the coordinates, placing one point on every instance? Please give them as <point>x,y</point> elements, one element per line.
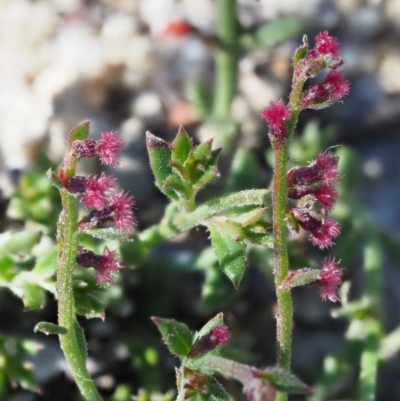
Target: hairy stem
<point>281,262</point>
<point>73,343</point>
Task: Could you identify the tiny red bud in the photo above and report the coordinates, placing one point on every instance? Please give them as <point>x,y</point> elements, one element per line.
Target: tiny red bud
<point>84,149</point>
<point>219,335</point>
<point>276,115</point>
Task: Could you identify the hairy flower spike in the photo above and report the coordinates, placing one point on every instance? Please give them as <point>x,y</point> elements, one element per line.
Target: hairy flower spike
<point>105,265</point>
<point>109,147</point>
<point>276,116</point>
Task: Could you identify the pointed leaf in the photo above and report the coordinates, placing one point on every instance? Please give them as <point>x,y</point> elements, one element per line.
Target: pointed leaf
<point>176,336</point>
<point>54,180</point>
<point>181,147</point>
<point>300,277</point>
<point>247,217</point>
<point>80,338</point>
<point>285,381</point>
<point>175,183</point>
<point>88,304</point>
<point>107,233</point>
<point>18,243</point>
<point>6,270</point>
<point>218,320</point>
<point>160,157</point>
<point>80,132</point>
<point>229,249</point>
<point>264,239</point>
<point>46,264</point>
<point>33,296</point>
<point>50,328</point>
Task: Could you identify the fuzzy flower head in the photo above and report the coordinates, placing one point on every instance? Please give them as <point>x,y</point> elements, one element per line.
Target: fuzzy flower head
<point>109,147</point>
<point>119,211</point>
<point>97,190</point>
<point>327,45</point>
<point>329,280</point>
<point>105,265</point>
<point>276,115</point>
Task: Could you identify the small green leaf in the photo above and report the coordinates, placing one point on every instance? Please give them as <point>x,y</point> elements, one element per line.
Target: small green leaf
<point>80,338</point>
<point>18,243</point>
<point>218,320</point>
<point>300,277</point>
<point>50,328</point>
<point>181,147</point>
<point>33,296</point>
<point>107,233</point>
<point>175,183</point>
<point>229,249</point>
<point>300,53</point>
<point>80,132</point>
<point>248,217</point>
<point>176,336</point>
<point>46,264</point>
<point>285,381</point>
<point>88,304</point>
<point>263,239</point>
<point>279,31</point>
<point>6,269</point>
<point>54,180</point>
<point>160,157</point>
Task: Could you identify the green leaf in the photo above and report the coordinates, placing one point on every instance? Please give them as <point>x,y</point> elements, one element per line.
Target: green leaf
<point>229,249</point>
<point>18,243</point>
<point>263,239</point>
<point>279,31</point>
<point>50,328</point>
<point>54,180</point>
<point>6,269</point>
<point>33,296</point>
<point>181,147</point>
<point>107,233</point>
<point>285,381</point>
<point>160,157</point>
<point>80,338</point>
<point>80,132</point>
<point>176,336</point>
<point>88,304</point>
<point>218,320</point>
<point>46,264</point>
<point>300,277</point>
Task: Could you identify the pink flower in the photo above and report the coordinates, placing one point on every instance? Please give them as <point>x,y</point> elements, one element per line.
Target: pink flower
<point>276,115</point>
<point>106,265</point>
<point>322,237</point>
<point>84,149</point>
<point>122,209</point>
<point>327,163</point>
<point>97,189</point>
<point>109,147</point>
<point>329,280</point>
<point>327,45</point>
<point>332,89</point>
<point>118,211</point>
<point>326,195</point>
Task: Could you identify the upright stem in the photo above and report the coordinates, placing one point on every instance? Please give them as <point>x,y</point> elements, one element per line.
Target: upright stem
<point>285,314</point>
<point>281,264</point>
<point>73,343</point>
<point>226,58</point>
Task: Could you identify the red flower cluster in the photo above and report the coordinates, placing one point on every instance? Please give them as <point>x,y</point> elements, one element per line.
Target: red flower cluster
<point>97,194</point>
<point>313,189</point>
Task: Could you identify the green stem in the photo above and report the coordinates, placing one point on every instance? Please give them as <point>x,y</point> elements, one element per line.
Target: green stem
<point>281,264</point>
<point>176,222</point>
<point>226,58</point>
<point>73,343</point>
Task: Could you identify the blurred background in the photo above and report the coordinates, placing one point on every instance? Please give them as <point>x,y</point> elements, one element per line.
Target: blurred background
<point>138,65</point>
